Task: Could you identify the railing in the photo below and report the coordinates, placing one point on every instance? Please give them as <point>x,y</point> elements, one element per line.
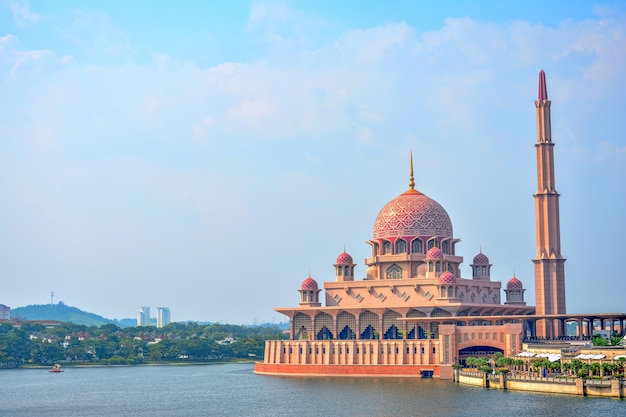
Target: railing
<point>598,382</point>
<point>556,339</point>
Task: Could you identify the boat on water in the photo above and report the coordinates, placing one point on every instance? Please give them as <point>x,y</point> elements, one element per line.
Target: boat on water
<point>57,368</point>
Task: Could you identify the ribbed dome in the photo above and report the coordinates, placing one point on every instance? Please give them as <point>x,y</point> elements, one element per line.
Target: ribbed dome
<point>514,284</point>
<point>344,258</point>
<point>412,214</point>
<point>434,253</point>
<point>309,284</point>
<point>481,259</point>
<point>447,278</point>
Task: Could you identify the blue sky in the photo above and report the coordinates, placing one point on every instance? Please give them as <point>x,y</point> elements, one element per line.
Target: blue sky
<point>206,157</point>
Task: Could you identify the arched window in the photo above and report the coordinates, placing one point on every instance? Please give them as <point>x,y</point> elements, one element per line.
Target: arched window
<point>401,246</point>
<point>417,246</point>
<point>437,267</point>
<point>445,246</point>
<point>477,271</point>
<point>386,247</point>
<point>432,243</point>
<point>339,270</point>
<point>347,271</point>
<point>484,271</point>
<point>450,292</point>
<point>430,267</point>
<point>394,272</point>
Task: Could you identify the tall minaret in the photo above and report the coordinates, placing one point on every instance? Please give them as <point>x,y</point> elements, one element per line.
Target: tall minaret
<point>549,264</point>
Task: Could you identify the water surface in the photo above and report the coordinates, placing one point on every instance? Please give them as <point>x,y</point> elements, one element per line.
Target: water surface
<point>234,390</point>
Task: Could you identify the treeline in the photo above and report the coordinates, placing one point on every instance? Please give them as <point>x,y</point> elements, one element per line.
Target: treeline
<point>110,344</point>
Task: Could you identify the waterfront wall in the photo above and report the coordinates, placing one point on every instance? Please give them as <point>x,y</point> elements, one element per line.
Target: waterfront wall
<point>409,371</point>
<point>573,386</point>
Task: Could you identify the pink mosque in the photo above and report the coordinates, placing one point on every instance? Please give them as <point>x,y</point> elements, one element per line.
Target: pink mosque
<point>414,314</point>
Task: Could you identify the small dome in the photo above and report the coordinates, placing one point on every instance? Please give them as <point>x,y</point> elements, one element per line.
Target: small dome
<point>481,259</point>
<point>309,284</point>
<point>514,284</point>
<point>447,278</point>
<point>344,258</point>
<point>434,253</point>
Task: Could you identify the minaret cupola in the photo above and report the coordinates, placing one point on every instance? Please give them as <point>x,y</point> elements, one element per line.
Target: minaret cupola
<point>481,268</point>
<point>344,267</point>
<point>309,293</point>
<point>515,292</point>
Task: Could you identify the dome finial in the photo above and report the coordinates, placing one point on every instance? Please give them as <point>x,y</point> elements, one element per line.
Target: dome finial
<point>411,181</point>
<point>411,189</point>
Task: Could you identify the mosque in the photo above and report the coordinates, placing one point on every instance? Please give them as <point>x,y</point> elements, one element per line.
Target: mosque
<point>414,314</point>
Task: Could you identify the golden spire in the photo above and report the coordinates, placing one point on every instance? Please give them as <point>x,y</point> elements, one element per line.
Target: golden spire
<point>411,181</point>
<point>411,189</point>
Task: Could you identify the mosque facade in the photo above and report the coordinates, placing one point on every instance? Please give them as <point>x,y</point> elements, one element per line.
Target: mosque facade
<point>414,313</point>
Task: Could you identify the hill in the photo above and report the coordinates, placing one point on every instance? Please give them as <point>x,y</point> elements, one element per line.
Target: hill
<point>60,312</point>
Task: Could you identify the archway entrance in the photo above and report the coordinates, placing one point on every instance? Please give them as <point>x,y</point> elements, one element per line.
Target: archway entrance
<point>477,352</point>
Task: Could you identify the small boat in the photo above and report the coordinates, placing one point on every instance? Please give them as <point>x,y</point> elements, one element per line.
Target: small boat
<point>57,368</point>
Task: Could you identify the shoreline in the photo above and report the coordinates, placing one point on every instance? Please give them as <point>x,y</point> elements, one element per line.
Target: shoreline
<point>610,388</point>
<point>67,365</point>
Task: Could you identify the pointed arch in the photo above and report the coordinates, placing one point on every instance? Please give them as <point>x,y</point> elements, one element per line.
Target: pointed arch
<point>323,325</point>
<point>346,326</point>
<point>394,272</point>
<point>401,246</point>
<point>369,325</point>
<point>302,327</point>
<point>390,325</point>
<point>417,246</point>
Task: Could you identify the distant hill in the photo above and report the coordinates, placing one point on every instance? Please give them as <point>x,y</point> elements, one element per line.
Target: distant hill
<point>62,312</point>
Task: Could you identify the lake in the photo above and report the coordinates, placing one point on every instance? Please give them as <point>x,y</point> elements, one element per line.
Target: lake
<point>234,390</point>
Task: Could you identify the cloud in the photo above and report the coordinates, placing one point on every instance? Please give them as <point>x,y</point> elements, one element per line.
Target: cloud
<point>22,15</point>
<point>35,59</point>
<point>187,164</point>
<point>5,40</point>
<point>98,36</point>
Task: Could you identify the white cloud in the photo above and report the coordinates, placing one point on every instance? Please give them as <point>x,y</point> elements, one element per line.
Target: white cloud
<point>22,15</point>
<point>134,144</point>
<point>35,59</point>
<point>5,40</point>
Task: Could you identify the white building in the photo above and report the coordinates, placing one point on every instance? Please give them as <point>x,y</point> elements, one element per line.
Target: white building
<point>143,316</point>
<point>5,312</point>
<point>163,316</point>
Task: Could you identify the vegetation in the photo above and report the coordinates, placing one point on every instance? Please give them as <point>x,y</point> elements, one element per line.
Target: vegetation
<point>563,368</point>
<point>112,345</point>
<point>599,340</point>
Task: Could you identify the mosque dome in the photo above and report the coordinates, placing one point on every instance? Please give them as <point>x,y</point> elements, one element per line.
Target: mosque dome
<point>514,284</point>
<point>412,214</point>
<point>309,284</point>
<point>434,253</point>
<point>481,259</point>
<point>344,258</point>
<point>447,278</point>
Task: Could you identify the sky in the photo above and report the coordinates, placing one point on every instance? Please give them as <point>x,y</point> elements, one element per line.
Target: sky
<point>209,156</point>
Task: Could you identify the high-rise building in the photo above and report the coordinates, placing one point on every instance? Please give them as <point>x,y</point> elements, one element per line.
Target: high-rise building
<point>143,316</point>
<point>5,312</point>
<point>163,316</point>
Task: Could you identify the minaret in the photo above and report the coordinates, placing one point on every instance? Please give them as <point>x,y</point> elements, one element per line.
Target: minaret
<point>549,264</point>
